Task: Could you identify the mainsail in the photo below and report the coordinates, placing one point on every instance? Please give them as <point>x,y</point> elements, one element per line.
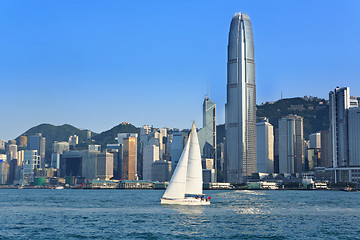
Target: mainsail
<point>194,183</point>
<point>187,177</point>
<point>176,188</point>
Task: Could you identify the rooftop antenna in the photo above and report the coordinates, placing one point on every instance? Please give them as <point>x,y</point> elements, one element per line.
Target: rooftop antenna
<point>281,95</point>
<point>209,91</point>
<point>205,94</point>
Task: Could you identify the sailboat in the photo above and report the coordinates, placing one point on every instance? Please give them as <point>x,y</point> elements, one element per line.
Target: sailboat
<point>186,186</point>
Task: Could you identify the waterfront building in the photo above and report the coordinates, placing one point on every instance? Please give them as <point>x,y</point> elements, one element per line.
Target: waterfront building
<point>276,150</point>
<point>354,136</point>
<point>208,175</point>
<point>315,140</point>
<point>150,155</point>
<point>73,140</point>
<point>339,103</point>
<point>178,142</point>
<point>265,146</point>
<point>71,163</point>
<point>240,109</point>
<point>32,161</point>
<point>120,138</point>
<point>129,158</point>
<point>89,163</point>
<point>12,171</point>
<point>37,142</point>
<point>207,135</point>
<point>22,141</point>
<point>116,150</point>
<point>60,147</point>
<point>3,169</point>
<point>105,168</point>
<point>325,149</point>
<point>161,171</point>
<point>291,144</point>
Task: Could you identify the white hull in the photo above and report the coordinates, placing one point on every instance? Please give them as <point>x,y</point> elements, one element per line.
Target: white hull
<point>185,201</point>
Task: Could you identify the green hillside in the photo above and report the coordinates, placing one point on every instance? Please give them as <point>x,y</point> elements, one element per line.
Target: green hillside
<point>110,135</point>
<point>56,133</point>
<point>314,110</point>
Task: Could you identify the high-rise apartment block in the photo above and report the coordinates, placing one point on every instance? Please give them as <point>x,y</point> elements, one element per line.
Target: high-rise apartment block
<point>4,167</point>
<point>354,136</point>
<point>150,155</point>
<point>121,138</point>
<point>265,146</point>
<point>178,143</point>
<point>291,144</point>
<point>60,147</point>
<point>11,150</point>
<point>315,140</point>
<point>32,161</point>
<point>240,109</point>
<point>344,128</point>
<point>129,158</point>
<point>73,140</point>
<point>325,160</point>
<point>339,101</point>
<point>37,142</point>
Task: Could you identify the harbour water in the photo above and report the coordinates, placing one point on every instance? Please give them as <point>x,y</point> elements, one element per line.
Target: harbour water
<point>137,214</point>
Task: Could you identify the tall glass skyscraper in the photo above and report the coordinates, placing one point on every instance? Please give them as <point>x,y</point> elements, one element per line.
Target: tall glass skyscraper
<point>240,109</point>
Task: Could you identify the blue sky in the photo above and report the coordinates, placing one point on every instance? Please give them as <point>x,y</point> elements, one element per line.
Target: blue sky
<point>94,64</point>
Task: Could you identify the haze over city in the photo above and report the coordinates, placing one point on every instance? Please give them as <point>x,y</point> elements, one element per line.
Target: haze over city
<point>95,64</point>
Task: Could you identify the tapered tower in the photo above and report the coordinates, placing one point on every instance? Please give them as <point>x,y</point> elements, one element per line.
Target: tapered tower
<point>240,109</point>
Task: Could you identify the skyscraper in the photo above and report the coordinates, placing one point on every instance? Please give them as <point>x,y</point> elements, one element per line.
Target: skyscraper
<point>291,144</point>
<point>207,135</point>
<point>129,158</point>
<point>339,103</point>
<point>240,109</point>
<point>265,146</point>
<point>37,142</point>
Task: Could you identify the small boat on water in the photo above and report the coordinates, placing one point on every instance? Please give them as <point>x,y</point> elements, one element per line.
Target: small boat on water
<point>186,185</point>
<point>349,189</point>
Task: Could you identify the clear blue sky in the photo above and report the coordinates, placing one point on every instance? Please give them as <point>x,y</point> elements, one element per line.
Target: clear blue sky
<point>94,64</point>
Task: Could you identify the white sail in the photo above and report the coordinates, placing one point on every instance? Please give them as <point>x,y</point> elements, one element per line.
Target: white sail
<point>194,183</point>
<point>176,187</point>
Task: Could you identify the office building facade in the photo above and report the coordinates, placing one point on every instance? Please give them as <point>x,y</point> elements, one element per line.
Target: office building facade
<point>291,144</point>
<point>265,147</point>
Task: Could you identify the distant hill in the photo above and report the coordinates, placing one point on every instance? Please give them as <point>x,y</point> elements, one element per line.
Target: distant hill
<point>315,112</point>
<point>56,133</point>
<point>110,135</point>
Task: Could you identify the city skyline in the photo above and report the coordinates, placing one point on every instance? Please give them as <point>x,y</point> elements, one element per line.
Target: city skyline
<point>74,62</point>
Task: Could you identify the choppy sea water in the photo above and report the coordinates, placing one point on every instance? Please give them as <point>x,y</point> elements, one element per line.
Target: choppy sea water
<point>137,214</point>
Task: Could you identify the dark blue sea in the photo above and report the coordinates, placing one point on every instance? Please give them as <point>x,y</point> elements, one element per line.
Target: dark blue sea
<point>137,214</point>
